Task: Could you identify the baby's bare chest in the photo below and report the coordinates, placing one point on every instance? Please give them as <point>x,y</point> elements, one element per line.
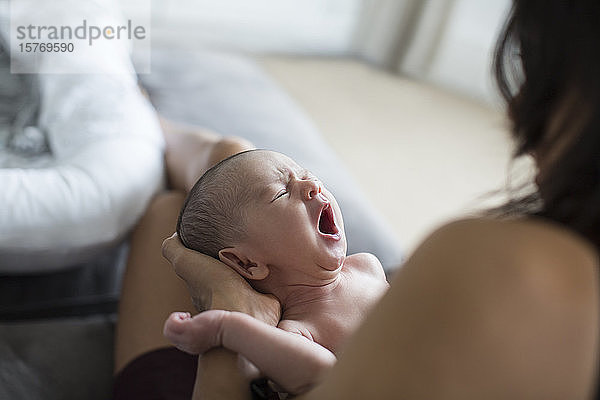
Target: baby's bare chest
<point>334,318</point>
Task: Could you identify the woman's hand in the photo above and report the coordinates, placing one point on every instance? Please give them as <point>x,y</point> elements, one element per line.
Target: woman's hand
<point>213,285</point>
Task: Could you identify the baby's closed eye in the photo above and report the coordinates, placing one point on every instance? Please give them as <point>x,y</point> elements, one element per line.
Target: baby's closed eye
<point>280,194</point>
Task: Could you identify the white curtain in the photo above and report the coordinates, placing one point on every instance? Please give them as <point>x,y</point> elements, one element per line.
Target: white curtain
<point>384,29</point>
<point>446,42</point>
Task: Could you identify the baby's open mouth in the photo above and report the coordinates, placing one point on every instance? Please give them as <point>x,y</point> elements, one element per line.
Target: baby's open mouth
<point>327,222</point>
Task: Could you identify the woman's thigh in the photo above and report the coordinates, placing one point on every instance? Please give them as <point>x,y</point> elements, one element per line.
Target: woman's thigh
<point>151,290</point>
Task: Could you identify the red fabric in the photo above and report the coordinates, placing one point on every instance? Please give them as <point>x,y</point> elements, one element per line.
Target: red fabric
<point>163,374</point>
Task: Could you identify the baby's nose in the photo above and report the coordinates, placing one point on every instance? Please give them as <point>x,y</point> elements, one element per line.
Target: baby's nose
<point>311,189</point>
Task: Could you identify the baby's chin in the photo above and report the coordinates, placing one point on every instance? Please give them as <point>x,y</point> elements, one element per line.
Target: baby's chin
<point>334,263</point>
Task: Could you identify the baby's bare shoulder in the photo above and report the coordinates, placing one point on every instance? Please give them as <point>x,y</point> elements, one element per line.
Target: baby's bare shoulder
<point>366,263</point>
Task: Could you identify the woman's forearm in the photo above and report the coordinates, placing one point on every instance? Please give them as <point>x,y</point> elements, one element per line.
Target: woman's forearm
<point>219,377</point>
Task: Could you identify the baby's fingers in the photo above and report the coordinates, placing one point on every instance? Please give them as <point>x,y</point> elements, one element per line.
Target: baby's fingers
<point>194,335</point>
<point>176,324</point>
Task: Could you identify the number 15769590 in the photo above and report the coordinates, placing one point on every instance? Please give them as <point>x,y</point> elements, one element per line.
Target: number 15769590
<point>41,47</point>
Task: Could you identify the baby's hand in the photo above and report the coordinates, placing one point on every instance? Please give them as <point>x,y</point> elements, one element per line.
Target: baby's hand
<point>195,335</point>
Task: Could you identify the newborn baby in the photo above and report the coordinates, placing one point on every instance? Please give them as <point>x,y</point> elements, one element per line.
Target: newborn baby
<point>277,226</point>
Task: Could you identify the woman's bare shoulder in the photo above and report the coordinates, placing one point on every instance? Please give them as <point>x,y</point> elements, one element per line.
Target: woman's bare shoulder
<point>524,252</point>
<point>522,237</point>
<point>532,283</point>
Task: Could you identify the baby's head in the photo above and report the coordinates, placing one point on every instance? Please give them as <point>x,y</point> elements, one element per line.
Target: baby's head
<point>265,216</point>
<point>212,216</point>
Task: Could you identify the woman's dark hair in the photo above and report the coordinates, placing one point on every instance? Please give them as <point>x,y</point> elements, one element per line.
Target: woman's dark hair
<point>547,67</point>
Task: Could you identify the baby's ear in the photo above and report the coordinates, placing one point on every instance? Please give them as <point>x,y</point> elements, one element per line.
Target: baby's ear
<point>235,259</point>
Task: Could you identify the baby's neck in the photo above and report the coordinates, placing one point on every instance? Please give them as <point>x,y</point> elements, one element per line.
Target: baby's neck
<point>295,297</point>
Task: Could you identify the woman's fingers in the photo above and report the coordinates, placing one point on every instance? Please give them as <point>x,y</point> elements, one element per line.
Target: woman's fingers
<point>199,271</point>
<point>214,285</point>
<point>170,247</point>
<point>192,266</point>
<point>185,261</point>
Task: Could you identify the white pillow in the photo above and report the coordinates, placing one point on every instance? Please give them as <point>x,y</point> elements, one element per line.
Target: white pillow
<point>106,164</point>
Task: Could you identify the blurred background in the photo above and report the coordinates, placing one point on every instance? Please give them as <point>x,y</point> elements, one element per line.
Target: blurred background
<point>402,89</point>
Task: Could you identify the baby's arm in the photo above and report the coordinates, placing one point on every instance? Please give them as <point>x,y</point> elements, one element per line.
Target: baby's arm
<point>291,360</point>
